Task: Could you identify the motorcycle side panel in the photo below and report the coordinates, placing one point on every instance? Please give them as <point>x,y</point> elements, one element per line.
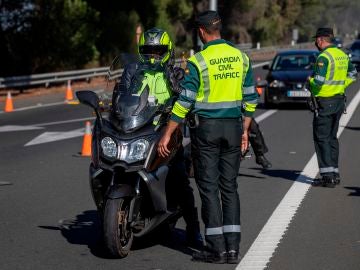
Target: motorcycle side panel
<point>155,181</point>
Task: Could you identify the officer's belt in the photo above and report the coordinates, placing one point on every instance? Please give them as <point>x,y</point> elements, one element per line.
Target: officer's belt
<point>337,96</point>
<point>206,119</point>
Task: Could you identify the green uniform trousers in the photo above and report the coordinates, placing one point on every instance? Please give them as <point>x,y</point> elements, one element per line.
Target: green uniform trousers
<point>325,128</point>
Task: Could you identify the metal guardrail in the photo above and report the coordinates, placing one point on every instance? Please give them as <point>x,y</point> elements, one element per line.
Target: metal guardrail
<point>263,54</point>
<point>48,78</point>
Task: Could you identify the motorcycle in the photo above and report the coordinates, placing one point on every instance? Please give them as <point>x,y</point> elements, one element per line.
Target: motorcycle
<point>127,176</point>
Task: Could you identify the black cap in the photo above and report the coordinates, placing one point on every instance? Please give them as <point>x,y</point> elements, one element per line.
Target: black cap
<point>208,18</point>
<point>324,32</point>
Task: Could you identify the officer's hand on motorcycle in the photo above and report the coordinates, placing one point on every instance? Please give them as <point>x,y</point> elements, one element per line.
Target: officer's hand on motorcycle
<point>162,146</point>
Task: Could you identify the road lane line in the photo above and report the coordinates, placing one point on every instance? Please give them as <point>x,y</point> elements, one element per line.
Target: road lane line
<point>41,105</point>
<point>264,115</point>
<point>264,246</point>
<point>64,122</point>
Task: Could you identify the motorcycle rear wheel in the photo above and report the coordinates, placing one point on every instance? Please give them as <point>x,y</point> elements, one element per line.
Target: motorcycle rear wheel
<point>118,236</point>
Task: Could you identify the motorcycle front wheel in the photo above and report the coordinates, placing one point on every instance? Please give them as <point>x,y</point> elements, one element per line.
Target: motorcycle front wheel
<point>118,236</point>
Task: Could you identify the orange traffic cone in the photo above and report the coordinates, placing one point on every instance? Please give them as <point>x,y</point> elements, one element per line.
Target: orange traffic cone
<point>69,94</point>
<point>8,103</point>
<point>86,147</point>
<point>258,88</point>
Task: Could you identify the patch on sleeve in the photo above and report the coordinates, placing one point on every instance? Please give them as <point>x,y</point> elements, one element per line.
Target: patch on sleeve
<point>320,64</point>
<point>187,71</point>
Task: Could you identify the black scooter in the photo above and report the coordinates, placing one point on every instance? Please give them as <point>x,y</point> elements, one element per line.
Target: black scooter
<point>127,176</point>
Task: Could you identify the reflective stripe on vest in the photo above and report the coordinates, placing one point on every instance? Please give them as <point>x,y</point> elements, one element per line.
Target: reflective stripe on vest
<point>222,69</point>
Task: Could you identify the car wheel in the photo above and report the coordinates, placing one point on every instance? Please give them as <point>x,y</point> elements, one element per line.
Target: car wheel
<point>267,103</point>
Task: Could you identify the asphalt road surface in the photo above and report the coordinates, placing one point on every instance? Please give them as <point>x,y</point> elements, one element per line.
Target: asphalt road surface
<point>48,219</point>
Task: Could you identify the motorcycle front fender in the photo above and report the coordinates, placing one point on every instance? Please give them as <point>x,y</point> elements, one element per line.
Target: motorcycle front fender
<point>120,191</point>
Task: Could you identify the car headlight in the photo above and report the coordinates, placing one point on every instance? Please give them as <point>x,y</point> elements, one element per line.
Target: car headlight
<point>276,83</point>
<point>109,147</point>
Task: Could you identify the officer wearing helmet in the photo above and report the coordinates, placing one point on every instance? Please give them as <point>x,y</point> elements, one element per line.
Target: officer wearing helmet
<point>156,69</point>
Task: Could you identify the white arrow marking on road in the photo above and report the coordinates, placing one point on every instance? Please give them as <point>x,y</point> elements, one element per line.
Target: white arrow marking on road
<point>56,136</point>
<point>18,128</point>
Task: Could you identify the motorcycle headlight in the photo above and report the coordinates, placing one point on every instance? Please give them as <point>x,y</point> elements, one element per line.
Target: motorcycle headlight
<point>136,151</point>
<point>109,147</point>
<point>277,83</point>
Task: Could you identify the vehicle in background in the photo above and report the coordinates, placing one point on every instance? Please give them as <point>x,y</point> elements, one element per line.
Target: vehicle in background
<point>287,76</point>
<point>338,42</point>
<point>354,53</point>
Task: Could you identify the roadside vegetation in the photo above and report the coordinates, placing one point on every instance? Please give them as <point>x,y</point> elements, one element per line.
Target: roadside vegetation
<point>39,36</point>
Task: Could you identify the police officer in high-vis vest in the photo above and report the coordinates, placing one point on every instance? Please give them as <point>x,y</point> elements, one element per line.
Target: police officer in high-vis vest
<point>333,72</point>
<point>218,80</point>
<point>155,69</point>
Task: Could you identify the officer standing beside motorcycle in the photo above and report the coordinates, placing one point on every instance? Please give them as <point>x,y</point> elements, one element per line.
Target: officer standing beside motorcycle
<point>333,72</point>
<point>218,79</point>
<point>156,70</point>
<point>258,145</point>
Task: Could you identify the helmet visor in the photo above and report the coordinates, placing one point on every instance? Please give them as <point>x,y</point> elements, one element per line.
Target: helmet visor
<point>159,50</point>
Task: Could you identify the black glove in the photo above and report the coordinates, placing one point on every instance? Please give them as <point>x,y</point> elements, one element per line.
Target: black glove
<point>174,75</point>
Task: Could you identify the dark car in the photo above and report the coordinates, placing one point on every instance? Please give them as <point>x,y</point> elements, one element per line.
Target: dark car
<point>354,53</point>
<point>287,75</point>
<point>338,42</point>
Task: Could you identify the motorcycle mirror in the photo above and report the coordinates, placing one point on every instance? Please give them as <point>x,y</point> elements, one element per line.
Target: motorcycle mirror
<point>88,98</point>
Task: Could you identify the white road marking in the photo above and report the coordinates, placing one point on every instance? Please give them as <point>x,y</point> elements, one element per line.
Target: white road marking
<point>64,122</point>
<point>41,105</point>
<point>56,136</point>
<point>17,128</point>
<point>264,115</point>
<point>5,183</point>
<point>264,246</point>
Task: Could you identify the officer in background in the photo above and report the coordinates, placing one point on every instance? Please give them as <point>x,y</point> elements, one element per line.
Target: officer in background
<point>333,72</point>
<point>156,70</point>
<point>258,145</point>
<point>218,80</point>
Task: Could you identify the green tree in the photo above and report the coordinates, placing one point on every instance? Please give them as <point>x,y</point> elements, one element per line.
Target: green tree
<point>55,35</point>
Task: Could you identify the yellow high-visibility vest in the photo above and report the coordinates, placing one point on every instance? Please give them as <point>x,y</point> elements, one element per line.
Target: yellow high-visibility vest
<point>336,74</point>
<point>222,70</point>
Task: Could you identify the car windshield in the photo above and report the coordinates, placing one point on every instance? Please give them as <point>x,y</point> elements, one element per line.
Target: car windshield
<point>355,48</point>
<point>294,62</point>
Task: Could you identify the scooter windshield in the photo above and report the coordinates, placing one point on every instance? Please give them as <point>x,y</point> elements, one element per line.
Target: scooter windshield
<point>135,111</point>
<point>134,107</point>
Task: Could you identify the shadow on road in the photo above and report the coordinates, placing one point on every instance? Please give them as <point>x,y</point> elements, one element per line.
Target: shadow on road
<point>86,229</point>
<point>353,128</point>
<point>355,191</point>
<point>292,175</point>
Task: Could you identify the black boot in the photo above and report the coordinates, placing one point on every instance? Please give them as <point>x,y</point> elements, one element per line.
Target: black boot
<point>210,257</point>
<point>325,181</point>
<point>337,178</point>
<point>261,160</point>
<point>233,257</point>
<point>194,238</point>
